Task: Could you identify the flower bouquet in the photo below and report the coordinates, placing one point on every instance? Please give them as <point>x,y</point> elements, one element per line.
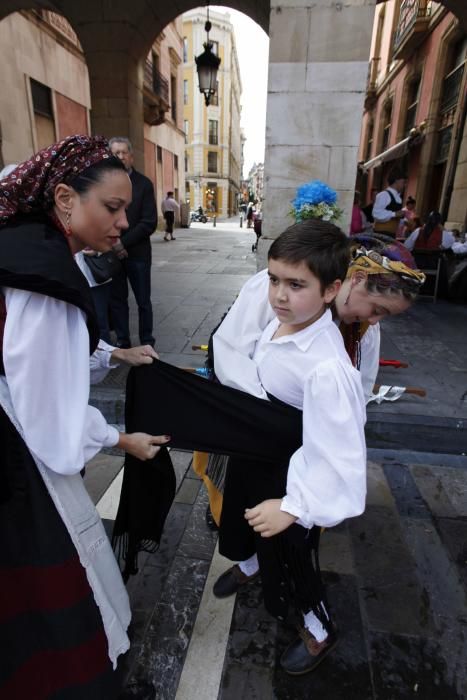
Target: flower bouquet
<point>315,200</point>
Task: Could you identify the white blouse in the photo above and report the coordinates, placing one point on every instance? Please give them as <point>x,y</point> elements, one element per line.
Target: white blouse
<point>46,358</point>
<point>310,370</point>
<point>244,324</point>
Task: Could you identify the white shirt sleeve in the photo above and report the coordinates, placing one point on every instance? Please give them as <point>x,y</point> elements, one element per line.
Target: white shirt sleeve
<point>236,338</point>
<point>326,480</point>
<point>412,239</point>
<point>369,358</point>
<point>46,358</point>
<point>380,212</point>
<point>448,239</point>
<point>459,248</point>
<point>100,361</point>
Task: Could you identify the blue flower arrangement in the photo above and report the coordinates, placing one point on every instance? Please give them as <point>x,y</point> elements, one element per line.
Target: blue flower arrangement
<point>315,200</point>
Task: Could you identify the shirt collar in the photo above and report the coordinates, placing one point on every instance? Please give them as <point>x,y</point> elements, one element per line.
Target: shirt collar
<point>302,339</point>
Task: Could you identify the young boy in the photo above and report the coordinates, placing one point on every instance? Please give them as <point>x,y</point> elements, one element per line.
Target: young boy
<point>272,515</point>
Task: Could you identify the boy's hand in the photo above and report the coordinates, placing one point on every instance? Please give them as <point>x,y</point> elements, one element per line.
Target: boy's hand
<point>268,519</point>
<point>140,355</point>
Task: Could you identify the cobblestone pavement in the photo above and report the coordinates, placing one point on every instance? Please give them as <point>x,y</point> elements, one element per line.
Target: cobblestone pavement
<point>396,576</point>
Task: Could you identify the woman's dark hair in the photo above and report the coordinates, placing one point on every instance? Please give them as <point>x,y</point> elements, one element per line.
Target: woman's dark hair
<point>323,247</point>
<point>410,200</point>
<point>84,181</point>
<point>434,220</point>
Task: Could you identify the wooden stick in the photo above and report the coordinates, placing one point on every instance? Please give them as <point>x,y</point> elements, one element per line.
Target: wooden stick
<point>408,390</point>
<point>392,363</point>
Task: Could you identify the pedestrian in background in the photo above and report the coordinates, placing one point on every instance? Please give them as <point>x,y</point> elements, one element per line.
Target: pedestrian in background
<point>134,251</point>
<point>169,208</point>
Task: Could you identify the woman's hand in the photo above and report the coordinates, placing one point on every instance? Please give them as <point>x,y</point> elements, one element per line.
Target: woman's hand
<point>268,519</point>
<point>141,355</point>
<point>141,445</point>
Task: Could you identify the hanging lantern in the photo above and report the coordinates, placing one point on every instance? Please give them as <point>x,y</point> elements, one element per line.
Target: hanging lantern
<point>207,65</point>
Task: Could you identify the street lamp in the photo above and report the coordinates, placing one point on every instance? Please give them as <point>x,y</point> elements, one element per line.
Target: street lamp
<point>207,65</point>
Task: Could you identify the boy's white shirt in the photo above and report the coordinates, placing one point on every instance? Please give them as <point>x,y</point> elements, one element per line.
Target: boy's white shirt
<point>310,370</point>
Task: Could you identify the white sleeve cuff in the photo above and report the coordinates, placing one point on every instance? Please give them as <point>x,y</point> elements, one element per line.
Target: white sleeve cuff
<point>112,438</point>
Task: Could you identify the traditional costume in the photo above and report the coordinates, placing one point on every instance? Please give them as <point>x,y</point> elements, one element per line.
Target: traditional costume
<point>64,610</point>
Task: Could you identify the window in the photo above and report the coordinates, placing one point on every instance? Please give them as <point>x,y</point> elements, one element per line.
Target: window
<point>215,48</point>
<point>185,49</point>
<point>173,97</point>
<point>186,162</point>
<point>453,79</point>
<point>186,128</point>
<point>212,162</point>
<point>412,104</point>
<point>387,115</point>
<point>213,132</point>
<point>215,97</point>
<point>159,154</point>
<point>175,162</point>
<point>185,92</point>
<point>44,122</point>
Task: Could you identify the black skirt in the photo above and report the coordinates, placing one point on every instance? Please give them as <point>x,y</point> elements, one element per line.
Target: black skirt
<point>53,643</point>
<point>260,437</point>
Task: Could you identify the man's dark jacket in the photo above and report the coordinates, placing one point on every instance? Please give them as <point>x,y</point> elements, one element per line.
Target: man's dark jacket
<point>142,218</point>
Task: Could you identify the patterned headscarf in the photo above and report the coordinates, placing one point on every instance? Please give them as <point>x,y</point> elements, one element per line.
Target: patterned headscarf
<point>31,186</point>
<point>379,255</point>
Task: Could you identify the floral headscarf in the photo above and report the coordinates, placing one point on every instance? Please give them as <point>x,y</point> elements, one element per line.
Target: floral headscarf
<point>31,186</point>
<point>379,255</point>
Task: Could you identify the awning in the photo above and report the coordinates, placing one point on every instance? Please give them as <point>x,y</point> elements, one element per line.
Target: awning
<point>397,151</point>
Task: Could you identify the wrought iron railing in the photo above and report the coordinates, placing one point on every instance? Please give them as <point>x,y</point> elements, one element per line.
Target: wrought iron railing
<point>451,88</point>
<point>156,81</point>
<point>410,12</point>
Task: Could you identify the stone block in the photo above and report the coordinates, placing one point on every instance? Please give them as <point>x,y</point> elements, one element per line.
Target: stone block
<point>288,35</point>
<point>379,493</point>
<point>188,491</point>
<point>287,77</point>
<point>335,554</point>
<point>340,35</point>
<point>444,489</point>
<point>336,76</point>
<point>343,167</point>
<point>314,119</point>
<point>294,165</point>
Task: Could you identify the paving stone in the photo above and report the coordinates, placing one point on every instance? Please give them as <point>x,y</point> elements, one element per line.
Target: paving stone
<point>249,683</point>
<point>387,574</point>
<point>188,491</point>
<point>378,491</point>
<point>198,541</point>
<point>100,471</point>
<point>406,666</point>
<point>454,536</point>
<point>444,489</point>
<point>181,461</point>
<point>408,499</point>
<point>335,552</point>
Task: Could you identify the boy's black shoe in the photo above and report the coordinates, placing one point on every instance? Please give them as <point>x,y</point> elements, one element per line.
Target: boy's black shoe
<point>230,581</point>
<point>305,652</point>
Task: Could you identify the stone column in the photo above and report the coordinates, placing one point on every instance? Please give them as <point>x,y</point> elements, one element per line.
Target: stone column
<point>116,83</point>
<point>318,62</point>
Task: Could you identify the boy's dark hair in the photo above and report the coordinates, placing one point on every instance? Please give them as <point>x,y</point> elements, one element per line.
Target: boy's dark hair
<point>323,247</point>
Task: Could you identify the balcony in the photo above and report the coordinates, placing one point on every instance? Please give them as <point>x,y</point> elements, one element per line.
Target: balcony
<point>414,18</point>
<point>371,83</point>
<point>155,95</point>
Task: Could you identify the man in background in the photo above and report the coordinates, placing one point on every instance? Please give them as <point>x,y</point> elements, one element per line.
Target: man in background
<point>388,210</point>
<point>169,207</point>
<point>134,250</point>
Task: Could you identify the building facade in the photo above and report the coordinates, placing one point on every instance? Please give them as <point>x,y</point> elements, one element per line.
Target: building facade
<point>415,107</point>
<point>47,94</point>
<point>256,184</point>
<point>213,139</point>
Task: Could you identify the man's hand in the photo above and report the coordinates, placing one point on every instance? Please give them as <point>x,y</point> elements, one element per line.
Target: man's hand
<point>141,445</point>
<point>268,519</point>
<point>141,355</point>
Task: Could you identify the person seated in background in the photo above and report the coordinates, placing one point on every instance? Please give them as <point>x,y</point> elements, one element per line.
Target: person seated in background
<point>404,226</point>
<point>459,247</point>
<point>432,236</point>
<point>358,222</point>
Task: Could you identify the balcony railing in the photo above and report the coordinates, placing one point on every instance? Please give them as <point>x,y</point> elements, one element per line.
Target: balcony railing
<point>414,17</point>
<point>156,81</point>
<point>452,88</point>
